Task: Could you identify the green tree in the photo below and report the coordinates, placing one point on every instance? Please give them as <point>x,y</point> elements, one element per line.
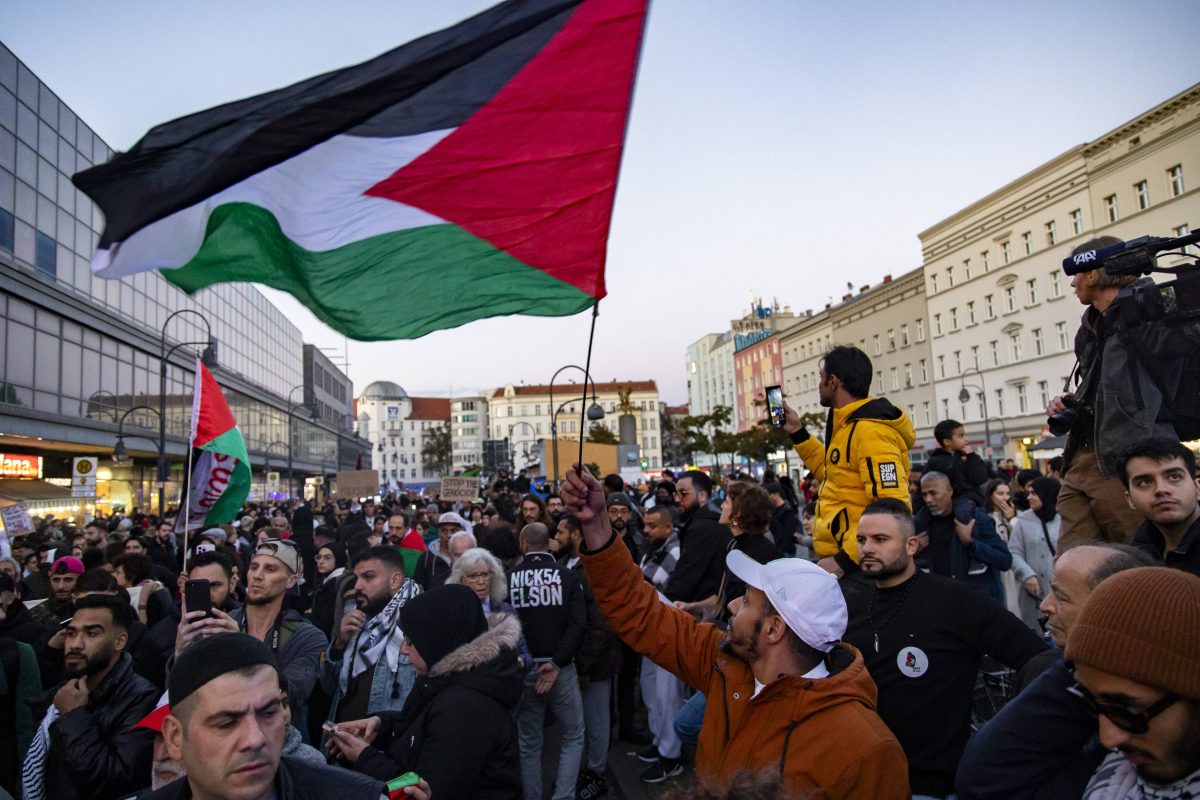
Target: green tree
<point>437,451</point>
<point>598,434</point>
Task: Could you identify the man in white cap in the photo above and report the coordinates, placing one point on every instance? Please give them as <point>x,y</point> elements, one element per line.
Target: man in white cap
<point>433,566</point>
<point>783,692</point>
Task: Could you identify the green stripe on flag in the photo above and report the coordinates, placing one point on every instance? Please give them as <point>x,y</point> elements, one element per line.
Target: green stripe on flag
<point>227,506</point>
<point>397,285</point>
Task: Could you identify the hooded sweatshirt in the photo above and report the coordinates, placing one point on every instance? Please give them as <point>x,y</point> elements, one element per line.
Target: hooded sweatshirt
<point>819,733</point>
<point>864,457</point>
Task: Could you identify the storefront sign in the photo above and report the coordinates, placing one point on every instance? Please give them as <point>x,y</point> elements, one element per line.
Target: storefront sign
<point>357,483</point>
<point>18,466</point>
<point>16,520</point>
<point>83,477</point>
<point>456,489</point>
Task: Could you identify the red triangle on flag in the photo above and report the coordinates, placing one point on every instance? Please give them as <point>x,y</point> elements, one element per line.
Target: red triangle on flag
<point>211,416</point>
<point>534,172</point>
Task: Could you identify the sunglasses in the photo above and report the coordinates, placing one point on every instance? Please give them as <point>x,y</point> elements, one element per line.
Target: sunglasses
<point>1124,718</point>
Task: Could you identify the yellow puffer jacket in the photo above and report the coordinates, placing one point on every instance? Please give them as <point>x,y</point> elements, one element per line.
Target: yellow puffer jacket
<point>865,457</point>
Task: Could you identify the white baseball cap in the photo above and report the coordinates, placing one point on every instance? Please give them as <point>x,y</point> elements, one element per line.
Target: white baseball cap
<point>806,596</point>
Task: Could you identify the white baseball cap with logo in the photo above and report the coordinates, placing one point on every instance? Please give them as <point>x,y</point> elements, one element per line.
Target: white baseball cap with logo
<point>806,596</point>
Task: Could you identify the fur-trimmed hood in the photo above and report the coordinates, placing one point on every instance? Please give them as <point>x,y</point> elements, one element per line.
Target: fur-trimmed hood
<point>504,633</point>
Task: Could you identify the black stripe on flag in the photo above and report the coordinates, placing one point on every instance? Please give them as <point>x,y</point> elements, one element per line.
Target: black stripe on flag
<point>432,83</point>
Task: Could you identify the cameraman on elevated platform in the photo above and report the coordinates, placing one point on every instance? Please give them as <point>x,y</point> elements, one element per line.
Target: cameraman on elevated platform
<point>1128,378</point>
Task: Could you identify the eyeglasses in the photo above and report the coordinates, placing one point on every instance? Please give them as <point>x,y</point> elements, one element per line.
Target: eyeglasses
<point>477,576</point>
<point>1124,718</point>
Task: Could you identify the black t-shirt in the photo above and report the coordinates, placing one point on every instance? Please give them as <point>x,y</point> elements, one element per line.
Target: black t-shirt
<point>932,632</point>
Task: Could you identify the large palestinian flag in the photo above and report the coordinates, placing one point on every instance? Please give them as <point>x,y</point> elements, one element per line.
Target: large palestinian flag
<point>467,174</point>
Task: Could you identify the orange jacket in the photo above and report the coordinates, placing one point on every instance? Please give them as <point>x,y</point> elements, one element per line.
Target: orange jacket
<point>820,733</point>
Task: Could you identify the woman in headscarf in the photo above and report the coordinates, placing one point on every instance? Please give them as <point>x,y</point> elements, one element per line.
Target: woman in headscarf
<point>331,565</point>
<point>456,729</point>
<point>1034,544</point>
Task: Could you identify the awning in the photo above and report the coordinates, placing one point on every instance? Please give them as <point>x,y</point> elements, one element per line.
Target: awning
<point>14,490</point>
<point>1047,448</point>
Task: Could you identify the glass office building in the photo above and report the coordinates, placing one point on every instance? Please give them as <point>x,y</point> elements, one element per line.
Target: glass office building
<point>77,352</point>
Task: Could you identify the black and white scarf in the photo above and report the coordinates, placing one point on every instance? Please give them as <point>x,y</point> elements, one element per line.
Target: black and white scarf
<point>380,636</point>
<point>33,769</point>
<point>1117,779</point>
<point>658,564</point>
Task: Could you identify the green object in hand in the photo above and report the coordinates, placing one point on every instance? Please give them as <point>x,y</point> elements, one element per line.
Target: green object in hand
<point>407,779</point>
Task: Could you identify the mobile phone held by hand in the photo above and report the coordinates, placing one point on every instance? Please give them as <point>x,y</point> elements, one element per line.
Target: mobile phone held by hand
<point>775,406</point>
<point>196,596</point>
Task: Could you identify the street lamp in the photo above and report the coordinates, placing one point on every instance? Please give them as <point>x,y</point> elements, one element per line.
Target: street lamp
<point>511,463</point>
<point>267,467</point>
<point>314,415</point>
<point>209,358</point>
<point>964,396</point>
<point>119,453</point>
<point>594,412</point>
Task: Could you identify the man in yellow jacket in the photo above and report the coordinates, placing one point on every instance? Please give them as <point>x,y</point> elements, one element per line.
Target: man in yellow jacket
<point>864,457</point>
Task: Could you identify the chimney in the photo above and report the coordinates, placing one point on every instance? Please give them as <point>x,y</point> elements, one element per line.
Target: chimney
<point>864,288</point>
<point>887,278</point>
<point>828,306</point>
<point>847,296</point>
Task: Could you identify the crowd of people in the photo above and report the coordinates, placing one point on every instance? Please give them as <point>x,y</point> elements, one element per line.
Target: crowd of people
<point>822,639</point>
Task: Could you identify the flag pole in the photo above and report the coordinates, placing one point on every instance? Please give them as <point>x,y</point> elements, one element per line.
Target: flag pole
<point>187,506</point>
<point>587,366</point>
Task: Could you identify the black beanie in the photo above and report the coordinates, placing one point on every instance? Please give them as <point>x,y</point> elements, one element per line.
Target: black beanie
<point>212,657</point>
<point>1047,491</point>
<point>440,621</point>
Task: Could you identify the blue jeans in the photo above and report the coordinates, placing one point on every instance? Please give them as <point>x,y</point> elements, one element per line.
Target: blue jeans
<point>690,719</point>
<point>564,699</point>
<point>597,720</point>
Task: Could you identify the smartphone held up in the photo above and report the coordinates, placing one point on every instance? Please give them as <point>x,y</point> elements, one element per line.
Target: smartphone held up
<point>775,410</point>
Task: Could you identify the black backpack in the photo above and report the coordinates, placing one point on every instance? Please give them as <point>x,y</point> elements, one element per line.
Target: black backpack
<point>1181,408</point>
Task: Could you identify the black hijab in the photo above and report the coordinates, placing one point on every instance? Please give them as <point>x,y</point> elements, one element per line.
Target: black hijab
<point>442,620</point>
<point>1047,490</point>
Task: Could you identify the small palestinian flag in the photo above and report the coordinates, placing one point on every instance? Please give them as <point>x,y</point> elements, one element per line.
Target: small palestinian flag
<point>467,174</point>
<point>220,478</point>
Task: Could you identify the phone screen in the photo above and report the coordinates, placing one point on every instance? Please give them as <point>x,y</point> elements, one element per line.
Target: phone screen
<point>775,406</point>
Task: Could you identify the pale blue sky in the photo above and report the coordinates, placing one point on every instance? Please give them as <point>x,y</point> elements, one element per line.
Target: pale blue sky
<point>776,147</point>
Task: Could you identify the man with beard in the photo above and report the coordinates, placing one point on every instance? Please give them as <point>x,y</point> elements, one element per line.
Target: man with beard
<point>434,563</point>
<point>554,507</point>
<point>702,542</point>
<point>1136,651</point>
<point>85,745</point>
<point>161,548</point>
<point>364,671</point>
<point>296,643</point>
<point>63,574</point>
<point>923,637</point>
<point>784,694</point>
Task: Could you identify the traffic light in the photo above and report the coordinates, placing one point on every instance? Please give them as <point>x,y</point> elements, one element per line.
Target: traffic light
<point>645,463</point>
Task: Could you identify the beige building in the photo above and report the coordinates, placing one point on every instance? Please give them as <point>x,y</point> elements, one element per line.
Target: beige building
<point>522,414</point>
<point>887,322</point>
<point>1001,312</point>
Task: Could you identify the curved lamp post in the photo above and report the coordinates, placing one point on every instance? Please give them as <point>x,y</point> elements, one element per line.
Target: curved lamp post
<point>209,358</point>
<point>594,412</point>
<point>964,396</point>
<point>119,453</point>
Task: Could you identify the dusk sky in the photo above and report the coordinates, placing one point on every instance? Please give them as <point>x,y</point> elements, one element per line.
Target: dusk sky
<point>776,148</point>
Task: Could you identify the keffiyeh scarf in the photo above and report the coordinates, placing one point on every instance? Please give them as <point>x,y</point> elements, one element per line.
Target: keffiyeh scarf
<point>658,565</point>
<point>33,770</point>
<point>380,636</point>
<point>1116,779</point>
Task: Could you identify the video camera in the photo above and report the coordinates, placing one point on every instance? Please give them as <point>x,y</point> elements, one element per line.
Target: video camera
<point>1176,301</point>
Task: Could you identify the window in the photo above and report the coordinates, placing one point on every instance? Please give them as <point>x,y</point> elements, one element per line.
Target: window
<point>1077,222</point>
<point>937,324</point>
<point>989,306</point>
<point>954,319</point>
<point>1060,329</point>
<point>950,276</point>
<point>920,330</point>
<point>987,264</point>
<point>967,268</point>
<point>1110,208</point>
<point>1000,402</point>
<point>904,335</point>
<point>982,410</point>
<point>1010,299</point>
<point>1022,399</point>
<point>1044,393</point>
<point>1175,180</point>
<point>924,365</point>
<point>970,312</point>
<point>942,366</point>
<point>895,380</point>
<point>1039,344</point>
<point>879,379</point>
<point>1014,344</point>
<point>7,226</point>
<point>928,412</point>
<point>1051,233</point>
<point>875,339</point>
<point>975,356</point>
<point>1027,243</point>
<point>1141,195</point>
<point>958,362</point>
<point>1006,252</point>
<point>945,408</point>
<point>908,375</point>
<point>45,255</point>
<point>1056,284</point>
<point>891,339</point>
<point>1031,287</point>
<point>933,284</point>
<point>994,347</point>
